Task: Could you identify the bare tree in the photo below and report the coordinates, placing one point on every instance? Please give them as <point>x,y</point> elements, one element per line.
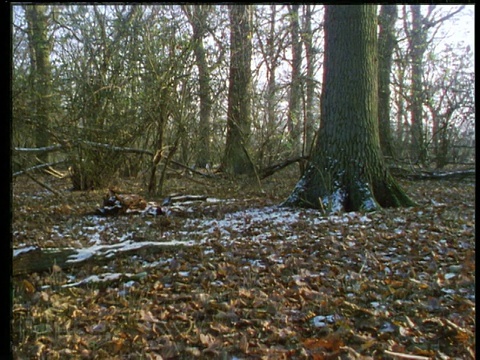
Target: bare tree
<point>40,72</point>
<point>418,43</point>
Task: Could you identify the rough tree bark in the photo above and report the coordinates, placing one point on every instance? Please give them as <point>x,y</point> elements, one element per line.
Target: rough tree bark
<point>272,54</point>
<point>293,116</point>
<point>197,16</point>
<point>41,73</point>
<point>386,44</point>
<point>310,81</point>
<point>236,160</point>
<point>346,171</point>
<point>418,46</point>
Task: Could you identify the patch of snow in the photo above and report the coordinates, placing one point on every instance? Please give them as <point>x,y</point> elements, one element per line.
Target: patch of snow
<point>365,219</point>
<point>448,291</point>
<point>387,328</point>
<point>337,200</point>
<point>369,205</point>
<point>257,263</point>
<point>214,200</point>
<point>434,203</point>
<point>109,250</point>
<point>98,278</point>
<point>127,236</point>
<point>17,252</point>
<point>95,238</point>
<point>383,227</point>
<point>129,283</point>
<point>322,320</point>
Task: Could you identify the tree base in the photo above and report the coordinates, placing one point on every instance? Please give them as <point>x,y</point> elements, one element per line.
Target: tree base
<point>346,193</point>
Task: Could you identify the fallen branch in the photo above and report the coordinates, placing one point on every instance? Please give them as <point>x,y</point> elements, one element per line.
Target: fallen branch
<point>35,259</point>
<point>270,170</point>
<point>118,148</point>
<point>192,170</point>
<point>42,184</point>
<point>40,150</point>
<point>37,167</point>
<point>183,198</point>
<point>406,356</point>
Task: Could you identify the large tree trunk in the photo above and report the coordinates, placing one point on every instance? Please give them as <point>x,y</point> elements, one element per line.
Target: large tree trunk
<point>347,172</point>
<point>386,44</point>
<point>236,160</point>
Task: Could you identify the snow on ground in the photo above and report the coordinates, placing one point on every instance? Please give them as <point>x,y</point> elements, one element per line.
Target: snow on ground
<point>107,235</point>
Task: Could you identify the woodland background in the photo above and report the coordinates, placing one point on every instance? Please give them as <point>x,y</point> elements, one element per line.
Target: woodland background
<point>136,99</point>
<point>91,79</point>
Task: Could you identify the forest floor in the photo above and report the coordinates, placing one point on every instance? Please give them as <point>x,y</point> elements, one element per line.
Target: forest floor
<point>247,279</point>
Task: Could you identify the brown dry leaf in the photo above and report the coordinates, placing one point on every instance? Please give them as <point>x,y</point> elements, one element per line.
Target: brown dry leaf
<point>147,316</point>
<point>206,339</point>
<point>28,286</point>
<point>219,328</point>
<point>258,296</point>
<point>117,344</point>
<point>154,356</point>
<point>56,268</point>
<point>330,343</point>
<point>243,344</point>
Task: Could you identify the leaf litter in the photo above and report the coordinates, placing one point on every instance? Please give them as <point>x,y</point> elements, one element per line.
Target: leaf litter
<point>246,279</point>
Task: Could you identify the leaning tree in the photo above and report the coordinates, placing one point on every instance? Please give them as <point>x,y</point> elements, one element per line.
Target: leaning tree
<point>346,171</point>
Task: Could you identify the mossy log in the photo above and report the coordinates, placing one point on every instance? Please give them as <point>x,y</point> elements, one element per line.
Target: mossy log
<point>35,259</point>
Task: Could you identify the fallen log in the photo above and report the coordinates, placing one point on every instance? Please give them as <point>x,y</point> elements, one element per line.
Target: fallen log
<point>432,175</point>
<point>35,259</point>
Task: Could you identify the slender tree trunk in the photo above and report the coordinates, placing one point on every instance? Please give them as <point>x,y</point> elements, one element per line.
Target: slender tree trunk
<point>152,186</point>
<point>40,47</point>
<point>293,117</point>
<point>310,81</point>
<point>386,44</point>
<point>401,124</point>
<point>236,160</point>
<point>418,45</point>
<point>346,171</point>
<point>197,15</point>
<point>272,83</point>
